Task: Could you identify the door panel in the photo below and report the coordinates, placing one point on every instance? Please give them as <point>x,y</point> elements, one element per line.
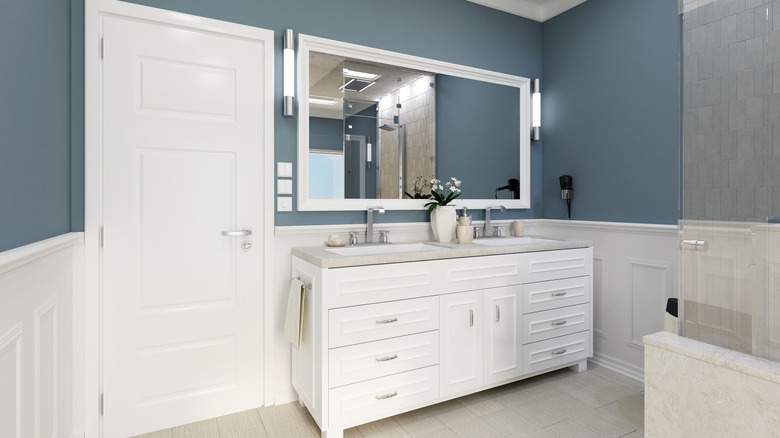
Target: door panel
<point>461,330</point>
<point>183,117</point>
<point>503,342</point>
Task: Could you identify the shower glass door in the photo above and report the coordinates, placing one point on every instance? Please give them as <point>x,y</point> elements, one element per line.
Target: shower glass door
<point>729,231</point>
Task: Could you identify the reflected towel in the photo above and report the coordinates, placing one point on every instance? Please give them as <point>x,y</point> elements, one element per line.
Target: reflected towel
<point>293,320</point>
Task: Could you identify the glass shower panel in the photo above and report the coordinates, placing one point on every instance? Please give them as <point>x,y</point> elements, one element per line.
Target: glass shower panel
<point>730,238</point>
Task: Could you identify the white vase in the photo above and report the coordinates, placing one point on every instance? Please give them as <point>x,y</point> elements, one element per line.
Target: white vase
<point>443,223</point>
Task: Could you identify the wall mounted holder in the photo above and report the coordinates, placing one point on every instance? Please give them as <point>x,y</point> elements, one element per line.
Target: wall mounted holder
<point>567,192</point>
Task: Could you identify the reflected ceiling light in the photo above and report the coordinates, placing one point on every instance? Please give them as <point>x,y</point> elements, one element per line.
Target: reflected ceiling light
<point>322,101</point>
<point>356,85</point>
<point>289,73</point>
<point>360,75</point>
<point>536,110</point>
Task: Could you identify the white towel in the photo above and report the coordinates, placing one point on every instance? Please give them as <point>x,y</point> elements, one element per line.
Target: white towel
<point>293,321</point>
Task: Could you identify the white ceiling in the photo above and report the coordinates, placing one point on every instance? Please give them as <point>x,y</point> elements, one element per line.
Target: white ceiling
<point>538,10</point>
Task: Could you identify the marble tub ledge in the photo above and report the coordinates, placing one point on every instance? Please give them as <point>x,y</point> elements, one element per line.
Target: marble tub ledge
<point>740,362</point>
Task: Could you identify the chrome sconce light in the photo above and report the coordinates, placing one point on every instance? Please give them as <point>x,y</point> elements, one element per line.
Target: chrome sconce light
<point>289,73</point>
<point>536,110</point>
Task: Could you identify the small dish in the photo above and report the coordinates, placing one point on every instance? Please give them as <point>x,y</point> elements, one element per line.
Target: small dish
<point>336,242</point>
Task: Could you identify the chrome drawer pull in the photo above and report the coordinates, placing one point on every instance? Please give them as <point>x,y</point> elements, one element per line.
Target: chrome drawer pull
<point>559,352</point>
<point>386,396</point>
<point>386,321</point>
<point>559,323</point>
<point>559,294</point>
<point>386,358</point>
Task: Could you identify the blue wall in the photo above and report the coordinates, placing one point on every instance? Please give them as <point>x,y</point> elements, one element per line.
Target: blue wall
<point>448,30</point>
<point>35,121</point>
<point>610,115</point>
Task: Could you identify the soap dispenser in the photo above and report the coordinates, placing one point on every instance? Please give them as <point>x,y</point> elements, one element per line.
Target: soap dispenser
<point>567,192</point>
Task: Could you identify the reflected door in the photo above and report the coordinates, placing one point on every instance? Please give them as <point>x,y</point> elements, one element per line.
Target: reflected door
<point>182,287</point>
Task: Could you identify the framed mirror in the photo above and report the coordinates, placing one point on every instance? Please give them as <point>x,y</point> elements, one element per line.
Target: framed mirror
<point>373,124</point>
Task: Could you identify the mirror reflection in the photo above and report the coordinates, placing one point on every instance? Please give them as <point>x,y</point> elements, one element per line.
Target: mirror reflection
<point>376,124</point>
<point>374,121</point>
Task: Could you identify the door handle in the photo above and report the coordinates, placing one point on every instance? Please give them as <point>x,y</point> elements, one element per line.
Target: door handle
<point>237,233</point>
<point>498,313</point>
<point>471,318</point>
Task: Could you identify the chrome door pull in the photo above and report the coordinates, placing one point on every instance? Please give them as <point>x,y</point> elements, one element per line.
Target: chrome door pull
<point>234,233</point>
<point>559,323</point>
<point>559,294</point>
<point>498,313</point>
<point>386,321</point>
<point>386,396</point>
<point>386,358</point>
<point>471,318</point>
<point>559,352</point>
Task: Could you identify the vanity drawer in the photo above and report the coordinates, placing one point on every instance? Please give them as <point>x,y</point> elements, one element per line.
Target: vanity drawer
<point>379,398</point>
<point>353,325</point>
<point>557,322</point>
<point>553,265</point>
<point>357,363</point>
<point>371,284</point>
<point>556,351</point>
<point>548,295</point>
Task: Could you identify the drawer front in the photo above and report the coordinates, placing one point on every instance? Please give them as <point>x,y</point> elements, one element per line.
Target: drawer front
<point>484,272</point>
<point>370,284</point>
<point>556,351</point>
<point>557,293</point>
<point>553,265</point>
<point>357,363</point>
<point>374,399</point>
<point>557,322</point>
<point>354,325</point>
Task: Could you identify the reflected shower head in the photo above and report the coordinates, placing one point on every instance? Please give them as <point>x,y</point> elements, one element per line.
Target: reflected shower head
<point>386,127</point>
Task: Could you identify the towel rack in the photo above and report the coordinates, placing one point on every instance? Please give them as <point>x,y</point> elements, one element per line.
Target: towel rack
<point>308,285</point>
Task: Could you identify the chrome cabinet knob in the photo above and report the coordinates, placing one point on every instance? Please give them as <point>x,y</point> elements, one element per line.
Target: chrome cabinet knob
<point>245,245</point>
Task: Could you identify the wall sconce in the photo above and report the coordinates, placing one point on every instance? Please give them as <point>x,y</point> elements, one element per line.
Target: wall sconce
<point>289,73</point>
<point>368,153</point>
<point>536,110</point>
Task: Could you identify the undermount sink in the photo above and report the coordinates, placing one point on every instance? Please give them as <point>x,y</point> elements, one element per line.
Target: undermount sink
<point>383,249</point>
<point>506,241</point>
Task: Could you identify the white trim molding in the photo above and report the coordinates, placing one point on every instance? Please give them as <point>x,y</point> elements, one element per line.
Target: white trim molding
<point>532,10</point>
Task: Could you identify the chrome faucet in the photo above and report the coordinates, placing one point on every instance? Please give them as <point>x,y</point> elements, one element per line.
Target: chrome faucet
<point>370,222</point>
<point>488,227</point>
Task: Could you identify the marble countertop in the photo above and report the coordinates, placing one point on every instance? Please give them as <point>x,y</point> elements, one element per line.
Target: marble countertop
<point>322,257</point>
<point>741,362</point>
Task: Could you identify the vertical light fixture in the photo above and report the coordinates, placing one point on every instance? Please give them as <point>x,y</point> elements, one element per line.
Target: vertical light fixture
<point>289,73</point>
<point>368,153</point>
<point>536,110</point>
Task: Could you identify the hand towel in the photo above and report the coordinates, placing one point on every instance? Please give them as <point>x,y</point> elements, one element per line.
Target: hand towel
<point>293,321</point>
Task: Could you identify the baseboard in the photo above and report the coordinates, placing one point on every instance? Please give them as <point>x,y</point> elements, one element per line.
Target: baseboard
<point>618,366</point>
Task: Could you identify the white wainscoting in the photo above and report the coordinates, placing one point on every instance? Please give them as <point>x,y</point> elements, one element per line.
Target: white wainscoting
<point>38,397</point>
<point>634,267</point>
<point>635,270</point>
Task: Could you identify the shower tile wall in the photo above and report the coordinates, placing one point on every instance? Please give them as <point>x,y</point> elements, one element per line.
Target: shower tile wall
<point>417,109</point>
<point>731,101</point>
<point>731,173</point>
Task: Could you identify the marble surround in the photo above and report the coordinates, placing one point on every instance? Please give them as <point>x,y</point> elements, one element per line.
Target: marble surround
<point>321,257</point>
<point>697,389</point>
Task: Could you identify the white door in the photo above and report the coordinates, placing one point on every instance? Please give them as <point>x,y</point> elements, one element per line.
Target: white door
<point>503,342</point>
<point>182,147</point>
<point>460,330</point>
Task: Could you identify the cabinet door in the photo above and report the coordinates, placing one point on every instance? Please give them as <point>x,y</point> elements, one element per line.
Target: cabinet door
<point>503,342</point>
<point>460,331</point>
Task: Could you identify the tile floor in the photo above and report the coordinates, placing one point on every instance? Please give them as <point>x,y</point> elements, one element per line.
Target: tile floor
<point>595,403</point>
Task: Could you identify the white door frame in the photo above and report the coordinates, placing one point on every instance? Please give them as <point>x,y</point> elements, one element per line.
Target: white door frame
<point>91,318</point>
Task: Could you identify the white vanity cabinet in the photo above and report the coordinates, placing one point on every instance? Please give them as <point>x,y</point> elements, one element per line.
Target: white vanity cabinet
<point>387,338</point>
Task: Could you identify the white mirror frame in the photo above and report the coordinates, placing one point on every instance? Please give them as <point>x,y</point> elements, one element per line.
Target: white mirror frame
<point>307,43</point>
